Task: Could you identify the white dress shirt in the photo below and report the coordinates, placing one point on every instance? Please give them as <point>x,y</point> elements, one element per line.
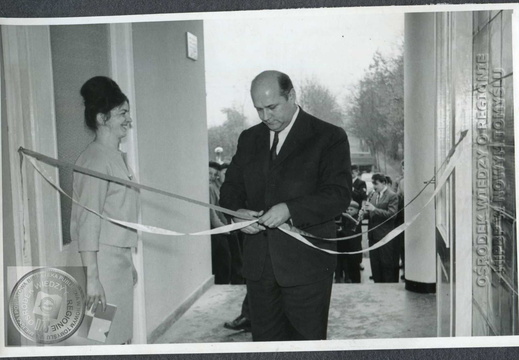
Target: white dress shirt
<point>282,135</point>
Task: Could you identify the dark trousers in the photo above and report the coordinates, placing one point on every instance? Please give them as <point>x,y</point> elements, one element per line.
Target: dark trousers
<point>288,313</point>
<point>236,259</point>
<point>384,263</point>
<point>348,267</point>
<point>245,309</point>
<point>221,258</point>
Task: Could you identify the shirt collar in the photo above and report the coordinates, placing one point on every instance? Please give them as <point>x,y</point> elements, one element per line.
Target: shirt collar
<point>286,130</point>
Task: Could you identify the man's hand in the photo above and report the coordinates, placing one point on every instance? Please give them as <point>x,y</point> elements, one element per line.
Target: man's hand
<point>275,216</point>
<point>369,207</point>
<point>254,228</point>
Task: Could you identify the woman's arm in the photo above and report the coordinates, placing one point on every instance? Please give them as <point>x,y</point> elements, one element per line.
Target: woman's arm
<point>95,291</point>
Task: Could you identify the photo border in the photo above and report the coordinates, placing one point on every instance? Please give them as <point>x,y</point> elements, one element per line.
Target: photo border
<point>509,342</point>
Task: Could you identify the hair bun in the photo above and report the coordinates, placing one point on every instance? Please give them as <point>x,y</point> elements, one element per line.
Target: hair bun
<point>98,88</point>
<point>100,95</point>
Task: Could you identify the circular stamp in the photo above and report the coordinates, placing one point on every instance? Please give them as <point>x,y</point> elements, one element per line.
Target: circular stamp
<point>47,305</point>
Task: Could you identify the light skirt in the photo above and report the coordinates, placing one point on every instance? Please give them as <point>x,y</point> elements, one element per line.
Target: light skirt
<point>116,275</point>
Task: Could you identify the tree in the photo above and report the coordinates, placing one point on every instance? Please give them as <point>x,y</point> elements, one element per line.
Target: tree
<point>375,110</point>
<point>226,135</point>
<point>319,101</point>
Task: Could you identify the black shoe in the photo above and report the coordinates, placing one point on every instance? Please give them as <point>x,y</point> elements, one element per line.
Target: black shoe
<point>240,323</point>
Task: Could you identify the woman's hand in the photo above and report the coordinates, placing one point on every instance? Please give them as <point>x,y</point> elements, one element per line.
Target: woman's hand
<point>95,294</point>
<point>95,291</point>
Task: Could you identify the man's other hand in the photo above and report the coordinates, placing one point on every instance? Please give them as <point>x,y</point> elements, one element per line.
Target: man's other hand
<point>369,207</point>
<point>253,228</point>
<point>275,216</point>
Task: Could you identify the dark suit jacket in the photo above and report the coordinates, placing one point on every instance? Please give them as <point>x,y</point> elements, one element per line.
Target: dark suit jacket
<point>359,191</point>
<point>387,206</point>
<point>311,175</point>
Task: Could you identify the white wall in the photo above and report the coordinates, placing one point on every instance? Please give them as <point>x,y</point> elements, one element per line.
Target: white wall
<point>172,142</point>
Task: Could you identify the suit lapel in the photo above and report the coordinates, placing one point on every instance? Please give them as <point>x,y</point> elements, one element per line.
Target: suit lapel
<point>383,197</point>
<point>263,148</point>
<point>297,136</point>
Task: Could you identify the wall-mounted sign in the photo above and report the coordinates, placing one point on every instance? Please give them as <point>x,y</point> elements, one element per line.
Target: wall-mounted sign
<point>192,46</point>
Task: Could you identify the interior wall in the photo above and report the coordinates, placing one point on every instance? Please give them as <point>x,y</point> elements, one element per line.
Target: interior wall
<point>172,142</point>
<point>79,52</point>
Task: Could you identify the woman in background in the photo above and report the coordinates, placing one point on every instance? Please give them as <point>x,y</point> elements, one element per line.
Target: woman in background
<point>106,248</point>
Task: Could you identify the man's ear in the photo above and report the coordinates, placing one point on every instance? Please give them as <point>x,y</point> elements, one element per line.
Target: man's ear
<point>292,95</point>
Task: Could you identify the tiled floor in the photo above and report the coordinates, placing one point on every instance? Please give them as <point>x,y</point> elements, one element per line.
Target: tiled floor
<point>357,311</point>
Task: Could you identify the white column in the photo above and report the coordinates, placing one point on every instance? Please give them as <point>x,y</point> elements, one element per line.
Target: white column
<point>419,150</point>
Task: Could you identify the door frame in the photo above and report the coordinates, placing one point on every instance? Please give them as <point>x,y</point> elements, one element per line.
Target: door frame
<point>31,120</point>
<point>122,71</point>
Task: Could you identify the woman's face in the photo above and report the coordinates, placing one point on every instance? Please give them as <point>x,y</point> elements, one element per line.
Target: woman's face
<point>120,121</point>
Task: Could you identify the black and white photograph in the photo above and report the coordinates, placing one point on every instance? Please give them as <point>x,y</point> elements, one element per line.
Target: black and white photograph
<point>259,181</point>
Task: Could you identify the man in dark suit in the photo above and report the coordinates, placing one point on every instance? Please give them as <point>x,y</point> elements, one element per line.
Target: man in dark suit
<point>292,168</point>
<point>382,205</point>
<point>359,186</point>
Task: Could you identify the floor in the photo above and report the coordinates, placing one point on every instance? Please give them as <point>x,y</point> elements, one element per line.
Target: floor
<point>357,311</point>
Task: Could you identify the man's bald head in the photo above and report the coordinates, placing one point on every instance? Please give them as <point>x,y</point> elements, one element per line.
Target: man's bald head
<point>269,77</point>
<point>274,98</point>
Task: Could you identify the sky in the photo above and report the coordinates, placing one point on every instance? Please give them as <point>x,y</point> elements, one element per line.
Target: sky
<point>334,48</point>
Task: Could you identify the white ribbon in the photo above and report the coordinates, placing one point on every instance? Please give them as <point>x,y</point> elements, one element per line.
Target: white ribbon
<point>454,160</point>
<point>140,227</point>
<point>451,165</point>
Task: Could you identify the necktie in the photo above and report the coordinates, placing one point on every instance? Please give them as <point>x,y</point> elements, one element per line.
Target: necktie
<point>273,153</point>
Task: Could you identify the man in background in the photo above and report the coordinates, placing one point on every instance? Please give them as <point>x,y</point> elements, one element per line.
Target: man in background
<point>220,251</point>
<point>382,205</point>
<point>359,186</point>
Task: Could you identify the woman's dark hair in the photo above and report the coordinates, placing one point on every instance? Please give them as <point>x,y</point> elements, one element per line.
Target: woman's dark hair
<point>100,95</point>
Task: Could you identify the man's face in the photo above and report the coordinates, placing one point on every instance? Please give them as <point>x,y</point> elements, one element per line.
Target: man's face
<point>354,173</point>
<point>213,175</point>
<point>274,109</point>
<point>378,186</point>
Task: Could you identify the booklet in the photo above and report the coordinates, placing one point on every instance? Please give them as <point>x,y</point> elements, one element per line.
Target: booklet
<point>96,326</point>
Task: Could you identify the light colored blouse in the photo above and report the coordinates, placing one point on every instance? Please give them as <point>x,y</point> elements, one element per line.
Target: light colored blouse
<point>110,199</point>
